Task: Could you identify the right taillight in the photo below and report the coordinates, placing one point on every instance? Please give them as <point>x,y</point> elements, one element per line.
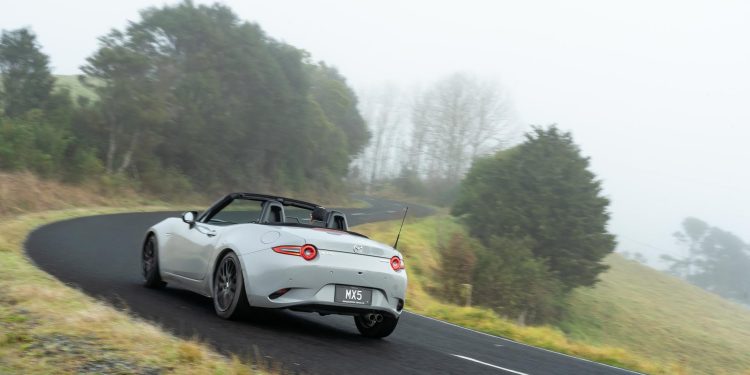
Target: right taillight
<point>396,263</point>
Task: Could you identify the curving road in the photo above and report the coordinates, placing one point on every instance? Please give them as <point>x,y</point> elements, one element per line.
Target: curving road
<point>100,255</point>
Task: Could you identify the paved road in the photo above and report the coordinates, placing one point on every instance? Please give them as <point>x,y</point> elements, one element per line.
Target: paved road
<point>100,255</point>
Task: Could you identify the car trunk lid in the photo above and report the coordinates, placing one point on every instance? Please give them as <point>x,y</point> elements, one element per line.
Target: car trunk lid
<point>336,240</point>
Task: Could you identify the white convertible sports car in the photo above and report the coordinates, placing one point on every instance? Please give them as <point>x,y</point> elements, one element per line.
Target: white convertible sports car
<point>273,252</point>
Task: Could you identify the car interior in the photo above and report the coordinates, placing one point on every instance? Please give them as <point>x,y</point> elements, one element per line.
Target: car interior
<point>273,212</point>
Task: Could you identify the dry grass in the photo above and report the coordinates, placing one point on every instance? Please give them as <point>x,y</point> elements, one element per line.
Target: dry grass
<point>48,327</point>
<point>418,243</point>
<point>24,192</point>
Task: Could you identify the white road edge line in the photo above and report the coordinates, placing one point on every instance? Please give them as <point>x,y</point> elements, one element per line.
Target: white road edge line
<point>489,364</point>
<point>530,346</point>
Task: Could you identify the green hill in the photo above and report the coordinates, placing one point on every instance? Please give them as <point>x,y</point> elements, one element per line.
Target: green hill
<point>76,88</point>
<point>636,317</point>
<point>662,317</point>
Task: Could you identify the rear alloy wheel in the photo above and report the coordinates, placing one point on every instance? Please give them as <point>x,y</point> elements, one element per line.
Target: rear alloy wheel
<point>372,325</point>
<point>230,299</point>
<point>150,264</point>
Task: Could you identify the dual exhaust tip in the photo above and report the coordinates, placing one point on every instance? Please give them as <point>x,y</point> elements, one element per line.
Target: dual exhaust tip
<point>374,317</point>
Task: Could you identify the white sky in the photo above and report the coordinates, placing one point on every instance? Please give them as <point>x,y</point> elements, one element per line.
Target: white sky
<point>656,92</point>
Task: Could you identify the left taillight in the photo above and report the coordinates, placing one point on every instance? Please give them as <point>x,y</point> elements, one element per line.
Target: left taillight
<point>307,252</point>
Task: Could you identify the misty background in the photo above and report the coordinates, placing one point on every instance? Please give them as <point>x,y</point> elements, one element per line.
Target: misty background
<point>655,93</point>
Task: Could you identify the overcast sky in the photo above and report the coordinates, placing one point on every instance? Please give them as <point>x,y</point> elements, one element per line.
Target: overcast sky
<point>657,93</point>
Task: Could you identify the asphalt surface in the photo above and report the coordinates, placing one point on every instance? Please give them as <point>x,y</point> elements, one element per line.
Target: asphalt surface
<point>101,256</point>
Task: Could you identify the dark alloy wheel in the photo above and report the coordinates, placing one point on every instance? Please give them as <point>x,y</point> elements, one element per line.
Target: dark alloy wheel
<point>150,264</point>
<point>377,330</point>
<point>230,299</point>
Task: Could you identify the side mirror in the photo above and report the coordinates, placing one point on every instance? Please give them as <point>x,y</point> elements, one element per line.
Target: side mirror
<point>189,218</point>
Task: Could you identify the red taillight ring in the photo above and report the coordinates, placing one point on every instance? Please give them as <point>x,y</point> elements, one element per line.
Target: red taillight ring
<point>396,263</point>
<point>308,252</point>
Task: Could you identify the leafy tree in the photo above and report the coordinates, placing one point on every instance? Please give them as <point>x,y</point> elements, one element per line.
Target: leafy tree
<point>131,101</point>
<point>27,81</point>
<point>194,93</point>
<point>542,191</point>
<point>36,134</point>
<point>716,260</point>
<point>339,103</point>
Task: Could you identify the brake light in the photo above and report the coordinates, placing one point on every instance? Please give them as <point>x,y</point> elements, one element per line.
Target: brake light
<point>397,263</point>
<point>307,252</point>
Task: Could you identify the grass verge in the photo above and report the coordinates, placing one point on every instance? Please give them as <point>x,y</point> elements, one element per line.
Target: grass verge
<point>623,321</point>
<point>47,327</point>
<point>654,314</point>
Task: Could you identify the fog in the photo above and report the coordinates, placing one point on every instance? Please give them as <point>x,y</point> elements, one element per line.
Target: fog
<point>656,93</point>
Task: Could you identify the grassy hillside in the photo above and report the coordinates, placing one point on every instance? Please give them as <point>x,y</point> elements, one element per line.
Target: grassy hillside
<point>657,315</point>
<point>419,242</point>
<point>636,317</point>
<point>76,88</point>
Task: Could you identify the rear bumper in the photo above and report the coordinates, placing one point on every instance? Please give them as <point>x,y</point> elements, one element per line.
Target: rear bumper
<point>312,283</point>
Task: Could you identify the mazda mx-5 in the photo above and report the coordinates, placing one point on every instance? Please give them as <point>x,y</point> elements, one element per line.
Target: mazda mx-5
<point>252,250</point>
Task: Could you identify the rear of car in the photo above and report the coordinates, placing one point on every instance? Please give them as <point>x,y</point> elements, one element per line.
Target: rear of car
<point>326,271</point>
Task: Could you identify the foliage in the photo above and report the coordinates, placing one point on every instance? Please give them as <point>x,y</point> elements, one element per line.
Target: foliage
<point>437,191</point>
<point>339,103</point>
<point>212,101</point>
<point>189,98</point>
<point>27,81</point>
<point>541,192</point>
<point>716,260</point>
<point>510,280</point>
<point>457,263</point>
<point>34,143</point>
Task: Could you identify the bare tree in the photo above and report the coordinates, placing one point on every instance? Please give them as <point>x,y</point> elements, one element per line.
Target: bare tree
<point>435,133</point>
<point>381,109</point>
<point>456,120</point>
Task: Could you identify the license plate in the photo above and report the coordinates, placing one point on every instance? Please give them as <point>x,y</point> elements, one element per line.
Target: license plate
<point>353,295</point>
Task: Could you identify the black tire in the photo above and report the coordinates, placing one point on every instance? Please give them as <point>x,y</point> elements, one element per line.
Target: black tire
<point>376,330</point>
<point>150,264</point>
<point>230,299</point>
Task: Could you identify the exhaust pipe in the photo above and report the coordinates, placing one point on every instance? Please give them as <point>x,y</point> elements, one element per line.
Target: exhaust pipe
<point>374,318</point>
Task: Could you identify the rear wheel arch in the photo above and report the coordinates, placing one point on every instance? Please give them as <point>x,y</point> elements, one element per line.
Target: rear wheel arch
<point>217,261</point>
<point>238,299</point>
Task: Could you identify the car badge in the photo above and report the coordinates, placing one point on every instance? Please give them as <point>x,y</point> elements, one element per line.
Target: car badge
<point>359,248</point>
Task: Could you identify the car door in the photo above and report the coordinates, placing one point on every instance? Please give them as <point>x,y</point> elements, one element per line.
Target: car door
<point>191,249</point>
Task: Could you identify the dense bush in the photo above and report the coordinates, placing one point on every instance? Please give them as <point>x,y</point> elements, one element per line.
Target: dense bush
<point>457,261</point>
<point>540,214</point>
